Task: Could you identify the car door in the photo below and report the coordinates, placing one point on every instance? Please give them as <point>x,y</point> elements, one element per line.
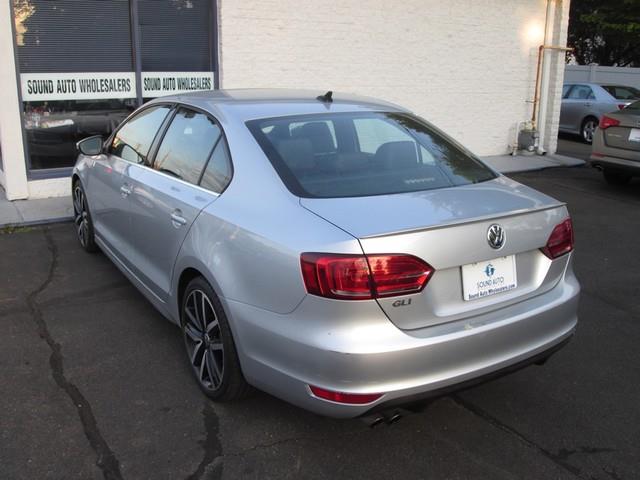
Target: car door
<point>111,184</point>
<point>577,106</point>
<point>167,197</point>
<point>564,124</point>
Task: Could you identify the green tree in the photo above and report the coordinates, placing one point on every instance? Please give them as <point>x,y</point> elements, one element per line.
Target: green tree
<point>605,32</point>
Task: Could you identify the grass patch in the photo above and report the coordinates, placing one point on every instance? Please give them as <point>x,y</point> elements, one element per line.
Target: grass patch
<point>11,229</point>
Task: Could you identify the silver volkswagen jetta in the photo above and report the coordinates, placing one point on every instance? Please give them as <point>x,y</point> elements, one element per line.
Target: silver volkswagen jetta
<point>337,252</point>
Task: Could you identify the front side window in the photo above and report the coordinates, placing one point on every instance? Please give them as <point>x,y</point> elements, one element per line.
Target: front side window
<point>581,92</point>
<point>133,140</point>
<point>187,145</point>
<point>374,154</point>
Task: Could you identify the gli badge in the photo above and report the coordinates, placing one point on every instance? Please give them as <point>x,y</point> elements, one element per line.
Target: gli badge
<point>496,236</point>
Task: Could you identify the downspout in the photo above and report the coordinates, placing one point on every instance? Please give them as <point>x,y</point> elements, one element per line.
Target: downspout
<point>541,96</point>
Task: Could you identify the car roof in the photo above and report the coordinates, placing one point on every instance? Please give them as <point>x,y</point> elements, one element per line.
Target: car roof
<point>248,104</point>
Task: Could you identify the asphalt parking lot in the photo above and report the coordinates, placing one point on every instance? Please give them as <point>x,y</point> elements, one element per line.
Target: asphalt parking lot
<point>95,383</point>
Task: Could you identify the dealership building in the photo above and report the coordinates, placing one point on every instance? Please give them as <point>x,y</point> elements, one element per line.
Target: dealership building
<point>75,68</point>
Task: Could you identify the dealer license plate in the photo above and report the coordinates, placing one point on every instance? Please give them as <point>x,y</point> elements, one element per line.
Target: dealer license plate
<point>634,135</point>
<point>483,279</point>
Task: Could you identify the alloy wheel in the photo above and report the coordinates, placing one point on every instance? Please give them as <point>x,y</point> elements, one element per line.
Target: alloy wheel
<point>80,215</point>
<point>588,130</point>
<point>203,339</point>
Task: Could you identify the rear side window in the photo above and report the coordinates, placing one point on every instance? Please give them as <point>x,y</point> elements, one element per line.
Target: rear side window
<point>133,140</point>
<point>187,145</point>
<point>581,92</point>
<point>622,93</point>
<point>374,154</point>
<point>217,174</point>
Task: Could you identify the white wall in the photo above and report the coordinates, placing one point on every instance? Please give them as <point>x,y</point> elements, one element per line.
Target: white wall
<point>598,74</point>
<point>467,66</point>
<point>15,176</point>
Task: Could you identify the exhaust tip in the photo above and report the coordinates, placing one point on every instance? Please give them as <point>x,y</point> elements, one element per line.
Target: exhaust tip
<point>393,418</point>
<point>378,420</point>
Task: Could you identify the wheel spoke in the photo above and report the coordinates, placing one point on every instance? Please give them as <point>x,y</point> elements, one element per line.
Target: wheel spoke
<point>192,333</point>
<point>216,346</point>
<point>204,368</point>
<point>212,326</point>
<point>214,369</point>
<point>196,350</point>
<point>193,321</point>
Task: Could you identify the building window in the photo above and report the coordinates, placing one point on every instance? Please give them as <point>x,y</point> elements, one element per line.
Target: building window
<point>77,64</point>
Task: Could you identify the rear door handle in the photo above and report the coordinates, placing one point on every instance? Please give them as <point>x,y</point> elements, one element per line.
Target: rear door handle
<point>177,219</point>
<point>125,190</point>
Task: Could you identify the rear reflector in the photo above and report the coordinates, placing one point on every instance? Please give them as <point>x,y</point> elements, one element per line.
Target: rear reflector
<point>347,398</point>
<point>360,277</point>
<point>560,241</point>
<point>606,122</point>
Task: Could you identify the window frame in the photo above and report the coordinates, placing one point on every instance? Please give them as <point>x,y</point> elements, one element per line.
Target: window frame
<point>155,146</point>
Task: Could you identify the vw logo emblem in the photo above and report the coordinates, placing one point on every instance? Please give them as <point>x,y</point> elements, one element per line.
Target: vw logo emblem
<point>496,236</point>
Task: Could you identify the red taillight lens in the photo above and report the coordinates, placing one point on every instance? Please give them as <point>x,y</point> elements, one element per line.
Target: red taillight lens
<point>341,397</point>
<point>560,241</point>
<point>360,277</point>
<point>606,122</point>
<point>398,274</point>
<point>621,106</point>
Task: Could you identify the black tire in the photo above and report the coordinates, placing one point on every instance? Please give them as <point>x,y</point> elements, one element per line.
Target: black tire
<point>616,177</point>
<point>210,348</point>
<point>588,128</point>
<point>82,219</point>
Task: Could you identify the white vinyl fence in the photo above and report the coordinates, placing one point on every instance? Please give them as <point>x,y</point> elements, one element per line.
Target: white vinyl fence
<point>597,74</point>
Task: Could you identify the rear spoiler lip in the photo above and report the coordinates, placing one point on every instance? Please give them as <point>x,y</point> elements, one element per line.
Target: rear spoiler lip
<point>465,221</point>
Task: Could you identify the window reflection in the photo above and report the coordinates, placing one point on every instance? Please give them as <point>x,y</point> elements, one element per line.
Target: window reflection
<point>54,127</point>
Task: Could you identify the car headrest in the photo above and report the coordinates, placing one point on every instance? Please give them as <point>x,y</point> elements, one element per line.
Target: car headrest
<point>318,134</point>
<point>397,155</point>
<point>297,153</point>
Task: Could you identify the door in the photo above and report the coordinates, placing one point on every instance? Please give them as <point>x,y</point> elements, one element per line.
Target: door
<point>111,184</point>
<point>577,106</point>
<point>168,197</point>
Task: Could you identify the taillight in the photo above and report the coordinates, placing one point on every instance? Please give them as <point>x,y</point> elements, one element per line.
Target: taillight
<point>560,241</point>
<point>360,277</point>
<point>342,397</point>
<point>606,122</point>
<point>621,106</point>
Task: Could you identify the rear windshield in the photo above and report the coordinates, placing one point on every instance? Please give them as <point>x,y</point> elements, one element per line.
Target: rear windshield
<point>622,93</point>
<point>362,154</point>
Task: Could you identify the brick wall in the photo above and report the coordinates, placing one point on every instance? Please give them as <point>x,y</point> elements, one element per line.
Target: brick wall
<point>467,66</point>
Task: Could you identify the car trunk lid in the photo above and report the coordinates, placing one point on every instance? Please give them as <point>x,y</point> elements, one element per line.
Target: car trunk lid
<point>448,229</point>
<point>626,135</point>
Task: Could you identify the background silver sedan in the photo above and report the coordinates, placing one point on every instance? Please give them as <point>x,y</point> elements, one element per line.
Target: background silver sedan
<point>583,104</point>
<point>337,252</point>
<point>616,145</point>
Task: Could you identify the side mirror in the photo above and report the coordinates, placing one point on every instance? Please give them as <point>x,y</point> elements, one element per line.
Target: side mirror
<point>90,145</point>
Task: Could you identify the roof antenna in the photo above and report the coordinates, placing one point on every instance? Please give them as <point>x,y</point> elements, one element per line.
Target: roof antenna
<point>327,97</point>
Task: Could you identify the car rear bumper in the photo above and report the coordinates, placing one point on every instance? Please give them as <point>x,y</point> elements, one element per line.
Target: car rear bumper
<point>352,347</point>
<point>621,164</point>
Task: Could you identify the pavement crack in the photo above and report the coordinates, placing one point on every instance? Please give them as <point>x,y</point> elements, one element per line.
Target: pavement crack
<point>559,458</point>
<point>106,459</point>
<point>211,463</point>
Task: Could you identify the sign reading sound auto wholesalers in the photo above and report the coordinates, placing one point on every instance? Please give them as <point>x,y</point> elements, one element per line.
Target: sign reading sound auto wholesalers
<point>77,86</point>
<point>100,85</point>
<point>158,84</point>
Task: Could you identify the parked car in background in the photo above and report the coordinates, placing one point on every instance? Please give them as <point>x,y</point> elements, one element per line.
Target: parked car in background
<point>616,145</point>
<point>584,103</point>
<point>337,252</point>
